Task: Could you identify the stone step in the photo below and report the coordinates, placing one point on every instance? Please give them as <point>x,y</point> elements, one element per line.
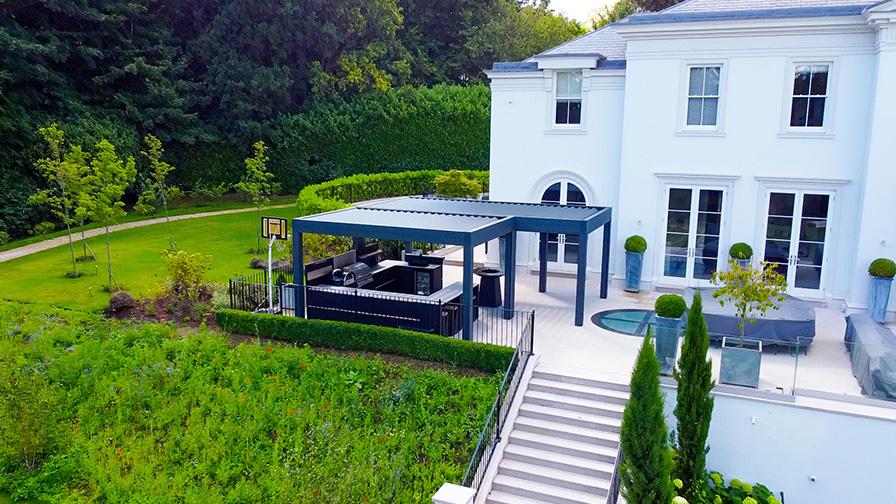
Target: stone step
<point>597,465</point>
<point>574,418</point>
<point>556,375</point>
<point>495,497</point>
<point>543,492</point>
<point>580,391</point>
<point>574,404</point>
<point>560,478</point>
<point>562,446</point>
<point>565,432</point>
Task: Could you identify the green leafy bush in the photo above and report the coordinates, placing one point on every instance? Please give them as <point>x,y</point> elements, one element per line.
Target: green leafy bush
<point>4,237</point>
<point>42,228</point>
<point>882,268</point>
<point>455,184</point>
<point>635,243</point>
<point>339,193</point>
<point>347,336</point>
<point>738,492</point>
<point>740,250</point>
<point>443,127</point>
<point>141,413</point>
<point>186,273</point>
<point>670,305</point>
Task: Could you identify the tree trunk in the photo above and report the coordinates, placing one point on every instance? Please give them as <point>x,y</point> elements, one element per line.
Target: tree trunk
<point>71,247</point>
<point>168,224</point>
<point>258,235</point>
<point>109,259</point>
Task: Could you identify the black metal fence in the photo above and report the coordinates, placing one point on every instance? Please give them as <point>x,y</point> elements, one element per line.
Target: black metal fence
<point>497,417</point>
<point>250,292</point>
<point>613,494</point>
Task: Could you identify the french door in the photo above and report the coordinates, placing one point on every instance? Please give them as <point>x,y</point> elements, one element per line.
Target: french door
<point>563,249</point>
<point>796,233</point>
<point>692,235</point>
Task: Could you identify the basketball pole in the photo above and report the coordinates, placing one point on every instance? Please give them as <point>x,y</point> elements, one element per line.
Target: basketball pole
<point>271,274</point>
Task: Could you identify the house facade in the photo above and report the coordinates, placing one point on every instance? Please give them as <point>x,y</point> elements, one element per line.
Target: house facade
<point>714,122</point>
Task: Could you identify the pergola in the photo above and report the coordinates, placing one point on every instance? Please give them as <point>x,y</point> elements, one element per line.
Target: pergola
<point>467,223</point>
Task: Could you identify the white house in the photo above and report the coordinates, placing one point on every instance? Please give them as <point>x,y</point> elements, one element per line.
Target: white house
<point>771,122</point>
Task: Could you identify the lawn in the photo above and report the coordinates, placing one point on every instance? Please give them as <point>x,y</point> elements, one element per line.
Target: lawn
<point>116,412</point>
<point>136,260</point>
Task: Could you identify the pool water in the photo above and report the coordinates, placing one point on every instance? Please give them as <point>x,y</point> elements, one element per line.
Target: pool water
<point>630,322</point>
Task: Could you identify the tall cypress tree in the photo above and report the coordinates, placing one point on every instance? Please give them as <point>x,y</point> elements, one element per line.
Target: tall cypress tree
<point>646,471</point>
<point>693,408</point>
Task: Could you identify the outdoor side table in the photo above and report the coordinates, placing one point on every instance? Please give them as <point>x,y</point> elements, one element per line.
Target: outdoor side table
<point>489,286</point>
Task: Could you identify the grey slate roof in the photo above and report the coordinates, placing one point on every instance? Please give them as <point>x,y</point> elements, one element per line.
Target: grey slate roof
<point>712,10</point>
<point>604,41</point>
<point>760,5</point>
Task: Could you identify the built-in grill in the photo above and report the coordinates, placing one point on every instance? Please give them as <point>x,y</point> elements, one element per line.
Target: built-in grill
<point>357,275</point>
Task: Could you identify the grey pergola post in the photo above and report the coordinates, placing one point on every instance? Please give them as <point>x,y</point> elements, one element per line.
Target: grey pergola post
<point>542,262</point>
<point>605,261</point>
<point>298,270</point>
<point>467,297</point>
<point>581,275</point>
<point>509,274</point>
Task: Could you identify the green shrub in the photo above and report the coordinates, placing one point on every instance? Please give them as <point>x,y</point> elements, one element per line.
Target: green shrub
<point>443,127</point>
<point>186,273</point>
<point>636,243</point>
<point>348,336</point>
<point>738,492</point>
<point>4,237</point>
<point>882,268</point>
<point>455,184</point>
<point>670,305</point>
<point>42,228</point>
<point>740,250</point>
<point>339,193</point>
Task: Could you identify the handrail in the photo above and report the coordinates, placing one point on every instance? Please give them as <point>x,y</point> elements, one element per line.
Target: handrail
<point>613,493</point>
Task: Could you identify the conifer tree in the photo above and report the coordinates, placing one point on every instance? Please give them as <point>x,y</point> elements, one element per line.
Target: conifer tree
<point>646,470</point>
<point>693,408</point>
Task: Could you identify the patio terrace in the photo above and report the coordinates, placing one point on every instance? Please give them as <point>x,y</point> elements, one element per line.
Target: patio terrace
<point>819,377</point>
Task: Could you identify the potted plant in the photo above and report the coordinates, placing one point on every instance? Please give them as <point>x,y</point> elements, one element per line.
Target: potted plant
<point>741,252</point>
<point>634,257</point>
<point>753,292</point>
<point>669,309</point>
<point>882,271</point>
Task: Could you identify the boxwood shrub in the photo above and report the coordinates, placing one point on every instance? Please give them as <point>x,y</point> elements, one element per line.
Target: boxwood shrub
<point>740,250</point>
<point>636,243</point>
<point>882,268</point>
<point>339,193</point>
<point>670,305</point>
<point>362,337</point>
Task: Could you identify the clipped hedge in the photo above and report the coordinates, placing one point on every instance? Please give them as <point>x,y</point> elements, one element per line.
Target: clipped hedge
<point>882,268</point>
<point>339,193</point>
<point>362,337</point>
<point>635,243</point>
<point>741,250</point>
<point>670,306</point>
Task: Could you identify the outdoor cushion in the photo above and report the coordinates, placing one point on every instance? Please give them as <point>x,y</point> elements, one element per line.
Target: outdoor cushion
<point>872,349</point>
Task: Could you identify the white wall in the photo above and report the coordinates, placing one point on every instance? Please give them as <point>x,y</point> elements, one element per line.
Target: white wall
<point>782,445</point>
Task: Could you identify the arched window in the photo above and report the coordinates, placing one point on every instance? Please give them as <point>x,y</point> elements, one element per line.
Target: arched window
<point>562,248</point>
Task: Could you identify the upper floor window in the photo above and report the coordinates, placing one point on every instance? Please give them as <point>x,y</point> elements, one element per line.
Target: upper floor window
<point>703,95</point>
<point>568,98</point>
<point>810,93</point>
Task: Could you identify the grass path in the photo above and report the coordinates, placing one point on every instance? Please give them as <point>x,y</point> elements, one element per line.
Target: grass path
<point>136,258</point>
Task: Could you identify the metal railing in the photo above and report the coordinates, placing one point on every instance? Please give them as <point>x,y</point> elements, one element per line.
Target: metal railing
<point>250,292</point>
<point>613,492</point>
<point>497,417</point>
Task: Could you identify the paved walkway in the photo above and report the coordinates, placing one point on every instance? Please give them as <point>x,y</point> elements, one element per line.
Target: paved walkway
<point>63,240</point>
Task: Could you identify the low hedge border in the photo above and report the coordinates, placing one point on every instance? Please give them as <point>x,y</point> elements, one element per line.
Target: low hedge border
<point>339,193</point>
<point>362,337</point>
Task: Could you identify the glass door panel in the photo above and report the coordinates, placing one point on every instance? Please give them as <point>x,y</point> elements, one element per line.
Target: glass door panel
<point>708,234</point>
<point>811,241</point>
<point>678,233</point>
<point>563,249</point>
<point>779,231</point>
<point>795,238</point>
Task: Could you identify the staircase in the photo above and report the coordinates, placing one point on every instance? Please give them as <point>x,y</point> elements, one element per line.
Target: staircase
<point>563,444</point>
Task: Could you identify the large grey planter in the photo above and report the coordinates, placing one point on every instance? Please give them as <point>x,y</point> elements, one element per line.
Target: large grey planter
<point>879,298</point>
<point>740,364</point>
<point>744,263</point>
<point>633,261</point>
<point>667,330</point>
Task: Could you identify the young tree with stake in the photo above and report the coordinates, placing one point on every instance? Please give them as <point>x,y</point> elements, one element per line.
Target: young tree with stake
<point>158,190</point>
<point>258,185</point>
<point>64,173</point>
<point>106,181</point>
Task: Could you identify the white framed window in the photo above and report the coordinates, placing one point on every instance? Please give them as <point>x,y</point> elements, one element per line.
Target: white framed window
<point>809,95</point>
<point>703,96</point>
<point>568,98</point>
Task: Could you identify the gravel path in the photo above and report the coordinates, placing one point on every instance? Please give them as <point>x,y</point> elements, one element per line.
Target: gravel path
<point>63,240</point>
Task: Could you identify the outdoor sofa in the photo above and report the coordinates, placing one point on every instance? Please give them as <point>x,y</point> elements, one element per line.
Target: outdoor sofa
<point>872,349</point>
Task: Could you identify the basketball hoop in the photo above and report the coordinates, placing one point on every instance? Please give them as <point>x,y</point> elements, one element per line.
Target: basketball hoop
<point>274,227</point>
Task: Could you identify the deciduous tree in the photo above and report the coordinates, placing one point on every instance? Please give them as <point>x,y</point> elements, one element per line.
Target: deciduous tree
<point>258,184</point>
<point>157,190</point>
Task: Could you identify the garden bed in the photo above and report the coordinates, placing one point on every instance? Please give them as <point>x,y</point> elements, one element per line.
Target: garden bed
<point>129,412</point>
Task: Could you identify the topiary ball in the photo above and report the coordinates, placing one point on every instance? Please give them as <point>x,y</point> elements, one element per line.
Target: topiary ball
<point>882,268</point>
<point>740,250</point>
<point>670,306</point>
<point>636,243</point>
